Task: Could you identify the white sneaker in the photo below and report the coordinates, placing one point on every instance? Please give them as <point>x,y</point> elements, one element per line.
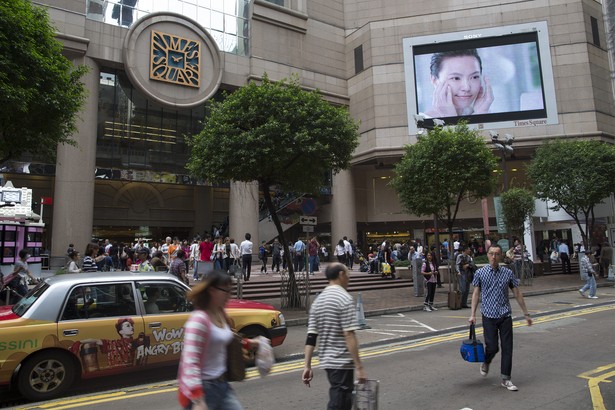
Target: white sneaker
<point>592,297</point>
<point>433,308</point>
<point>582,293</point>
<point>484,369</point>
<point>427,309</point>
<point>509,385</point>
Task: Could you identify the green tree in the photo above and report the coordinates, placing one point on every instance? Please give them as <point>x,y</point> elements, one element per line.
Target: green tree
<point>576,176</point>
<point>517,206</point>
<point>40,90</point>
<point>437,172</point>
<point>279,135</point>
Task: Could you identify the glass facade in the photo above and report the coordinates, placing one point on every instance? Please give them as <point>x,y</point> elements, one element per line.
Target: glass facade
<point>138,139</point>
<point>226,20</point>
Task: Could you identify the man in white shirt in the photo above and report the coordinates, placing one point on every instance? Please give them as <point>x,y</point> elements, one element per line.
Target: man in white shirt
<point>348,251</point>
<point>245,248</point>
<point>564,254</point>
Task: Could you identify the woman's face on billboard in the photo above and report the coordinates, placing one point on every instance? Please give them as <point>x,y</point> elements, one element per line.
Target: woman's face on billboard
<point>461,77</point>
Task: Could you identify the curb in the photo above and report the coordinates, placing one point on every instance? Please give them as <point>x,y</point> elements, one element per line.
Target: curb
<point>400,309</point>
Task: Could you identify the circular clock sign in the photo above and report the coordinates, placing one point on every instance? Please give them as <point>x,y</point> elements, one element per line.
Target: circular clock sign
<point>172,60</point>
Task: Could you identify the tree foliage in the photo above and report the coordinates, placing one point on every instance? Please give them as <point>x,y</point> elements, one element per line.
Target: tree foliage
<point>517,205</point>
<point>40,89</point>
<point>279,135</point>
<point>576,176</point>
<point>274,133</point>
<point>440,169</point>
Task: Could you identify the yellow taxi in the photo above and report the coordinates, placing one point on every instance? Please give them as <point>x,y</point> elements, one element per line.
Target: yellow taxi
<point>97,324</point>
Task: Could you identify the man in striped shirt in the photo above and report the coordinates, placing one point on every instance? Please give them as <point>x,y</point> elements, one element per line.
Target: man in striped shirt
<point>333,319</point>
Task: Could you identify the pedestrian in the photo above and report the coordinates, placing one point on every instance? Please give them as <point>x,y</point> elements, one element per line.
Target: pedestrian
<point>606,255</point>
<point>218,253</point>
<point>298,250</point>
<point>313,246</point>
<point>207,333</point>
<point>276,255</point>
<point>429,272</point>
<point>17,279</point>
<point>340,252</point>
<point>245,249</point>
<point>73,265</point>
<point>90,258</point>
<point>262,255</point>
<point>564,254</point>
<point>588,274</point>
<point>178,267</point>
<point>333,319</point>
<point>491,283</point>
<point>463,264</point>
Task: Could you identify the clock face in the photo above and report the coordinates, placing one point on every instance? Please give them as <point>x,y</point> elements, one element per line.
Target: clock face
<point>11,196</point>
<point>175,59</point>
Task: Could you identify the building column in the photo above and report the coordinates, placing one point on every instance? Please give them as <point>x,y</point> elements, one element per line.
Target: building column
<point>343,210</point>
<point>73,212</point>
<point>243,211</point>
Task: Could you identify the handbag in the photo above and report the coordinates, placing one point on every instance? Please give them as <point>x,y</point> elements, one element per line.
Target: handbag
<point>472,350</point>
<point>235,362</point>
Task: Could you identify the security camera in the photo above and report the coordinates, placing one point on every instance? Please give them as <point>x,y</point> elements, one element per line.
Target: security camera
<point>494,135</point>
<point>509,138</point>
<point>438,122</point>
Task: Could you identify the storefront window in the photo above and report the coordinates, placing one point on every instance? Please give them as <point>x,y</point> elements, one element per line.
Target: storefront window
<point>226,20</point>
<point>139,137</point>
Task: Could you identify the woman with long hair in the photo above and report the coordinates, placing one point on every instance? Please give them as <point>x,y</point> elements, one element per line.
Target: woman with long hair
<point>207,333</point>
<point>429,271</point>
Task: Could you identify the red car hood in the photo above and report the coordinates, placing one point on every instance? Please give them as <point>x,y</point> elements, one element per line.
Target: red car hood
<point>7,314</point>
<point>247,304</point>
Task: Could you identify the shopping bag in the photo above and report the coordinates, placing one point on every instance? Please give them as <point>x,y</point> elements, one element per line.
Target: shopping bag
<point>264,359</point>
<point>472,350</point>
<point>366,395</point>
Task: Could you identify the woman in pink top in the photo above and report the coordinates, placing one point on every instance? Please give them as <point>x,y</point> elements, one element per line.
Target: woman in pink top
<point>429,272</point>
<point>207,333</point>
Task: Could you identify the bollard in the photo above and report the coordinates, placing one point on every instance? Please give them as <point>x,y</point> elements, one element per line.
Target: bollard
<point>418,278</point>
<point>361,313</point>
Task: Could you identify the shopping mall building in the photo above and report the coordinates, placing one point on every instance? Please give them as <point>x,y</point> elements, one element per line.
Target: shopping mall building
<point>154,64</point>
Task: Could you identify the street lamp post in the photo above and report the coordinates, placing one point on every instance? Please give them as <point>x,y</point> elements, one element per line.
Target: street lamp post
<point>505,146</point>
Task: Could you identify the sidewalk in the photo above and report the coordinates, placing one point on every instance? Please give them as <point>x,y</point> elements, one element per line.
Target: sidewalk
<point>379,302</point>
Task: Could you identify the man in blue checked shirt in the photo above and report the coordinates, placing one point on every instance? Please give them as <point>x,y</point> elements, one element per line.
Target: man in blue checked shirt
<point>492,283</point>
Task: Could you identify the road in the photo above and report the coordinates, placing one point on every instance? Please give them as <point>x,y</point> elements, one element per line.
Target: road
<point>564,361</point>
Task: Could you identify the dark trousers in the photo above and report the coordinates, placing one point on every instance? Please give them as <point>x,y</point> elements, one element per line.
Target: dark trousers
<point>565,263</point>
<point>264,267</point>
<point>491,329</point>
<point>431,292</point>
<point>341,383</point>
<point>275,262</point>
<point>298,262</point>
<point>246,262</point>
<point>464,285</point>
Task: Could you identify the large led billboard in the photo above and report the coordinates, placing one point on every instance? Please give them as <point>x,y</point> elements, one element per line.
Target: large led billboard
<point>493,78</point>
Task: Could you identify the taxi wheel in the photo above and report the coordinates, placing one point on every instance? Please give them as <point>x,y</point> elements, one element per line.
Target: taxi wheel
<point>251,332</point>
<point>46,375</point>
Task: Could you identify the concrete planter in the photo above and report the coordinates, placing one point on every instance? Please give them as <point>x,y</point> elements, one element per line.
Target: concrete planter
<point>403,272</point>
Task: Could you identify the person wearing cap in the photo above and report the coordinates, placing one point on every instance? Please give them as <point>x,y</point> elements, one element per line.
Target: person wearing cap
<point>144,265</point>
<point>588,274</point>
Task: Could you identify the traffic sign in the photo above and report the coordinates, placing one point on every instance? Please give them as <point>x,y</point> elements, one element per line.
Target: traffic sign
<point>307,220</point>
<point>308,228</point>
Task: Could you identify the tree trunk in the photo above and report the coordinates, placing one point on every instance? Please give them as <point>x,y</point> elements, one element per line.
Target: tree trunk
<point>294,300</point>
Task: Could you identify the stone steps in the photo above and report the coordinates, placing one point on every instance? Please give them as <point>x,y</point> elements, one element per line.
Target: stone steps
<point>271,288</point>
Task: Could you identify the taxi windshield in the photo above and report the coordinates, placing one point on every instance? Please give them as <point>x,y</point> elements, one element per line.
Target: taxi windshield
<point>24,304</point>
